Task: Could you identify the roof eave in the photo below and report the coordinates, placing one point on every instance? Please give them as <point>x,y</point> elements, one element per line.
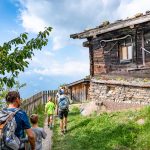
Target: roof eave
<point>78,82</point>
<point>111,27</point>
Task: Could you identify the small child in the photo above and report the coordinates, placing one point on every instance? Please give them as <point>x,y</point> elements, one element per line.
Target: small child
<point>50,110</point>
<point>39,132</point>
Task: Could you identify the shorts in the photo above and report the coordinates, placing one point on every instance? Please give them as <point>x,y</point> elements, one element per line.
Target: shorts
<point>51,115</point>
<point>62,114</point>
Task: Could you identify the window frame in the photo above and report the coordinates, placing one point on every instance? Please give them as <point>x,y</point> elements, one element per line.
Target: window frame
<point>120,54</point>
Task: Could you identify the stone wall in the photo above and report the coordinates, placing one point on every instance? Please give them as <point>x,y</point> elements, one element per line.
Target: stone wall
<point>120,91</point>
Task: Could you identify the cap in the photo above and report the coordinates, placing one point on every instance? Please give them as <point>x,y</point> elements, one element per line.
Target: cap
<point>61,91</point>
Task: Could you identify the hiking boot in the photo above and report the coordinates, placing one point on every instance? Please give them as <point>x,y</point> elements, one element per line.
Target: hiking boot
<point>51,127</point>
<point>65,129</point>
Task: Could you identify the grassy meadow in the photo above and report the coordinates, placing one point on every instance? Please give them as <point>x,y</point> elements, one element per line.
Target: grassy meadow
<point>107,131</point>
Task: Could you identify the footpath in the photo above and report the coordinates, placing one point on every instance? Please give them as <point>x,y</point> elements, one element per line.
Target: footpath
<point>47,143</point>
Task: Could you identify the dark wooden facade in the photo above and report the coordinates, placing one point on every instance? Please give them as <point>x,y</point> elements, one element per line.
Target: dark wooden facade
<point>79,90</point>
<point>119,47</point>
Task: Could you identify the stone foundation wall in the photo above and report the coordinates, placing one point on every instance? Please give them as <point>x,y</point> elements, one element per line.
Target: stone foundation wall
<point>117,91</point>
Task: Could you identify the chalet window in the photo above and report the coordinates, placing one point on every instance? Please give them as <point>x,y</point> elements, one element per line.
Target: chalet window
<point>126,53</point>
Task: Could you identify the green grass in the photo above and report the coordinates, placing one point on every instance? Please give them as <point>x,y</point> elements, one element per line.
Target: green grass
<point>40,110</point>
<point>113,131</point>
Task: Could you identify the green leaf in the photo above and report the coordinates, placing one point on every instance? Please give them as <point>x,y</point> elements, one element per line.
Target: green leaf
<point>14,53</point>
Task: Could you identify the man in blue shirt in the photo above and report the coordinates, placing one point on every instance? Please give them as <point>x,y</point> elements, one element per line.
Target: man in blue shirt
<point>14,102</point>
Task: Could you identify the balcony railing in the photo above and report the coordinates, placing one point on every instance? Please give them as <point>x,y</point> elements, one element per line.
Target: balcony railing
<point>143,54</point>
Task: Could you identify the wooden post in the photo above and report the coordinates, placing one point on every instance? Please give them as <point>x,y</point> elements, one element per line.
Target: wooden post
<point>84,91</point>
<point>143,52</point>
<point>91,59</point>
<point>136,49</point>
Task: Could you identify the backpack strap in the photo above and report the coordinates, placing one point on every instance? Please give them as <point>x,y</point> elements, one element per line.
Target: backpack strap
<point>61,99</point>
<point>10,116</point>
<point>16,110</point>
<point>7,111</point>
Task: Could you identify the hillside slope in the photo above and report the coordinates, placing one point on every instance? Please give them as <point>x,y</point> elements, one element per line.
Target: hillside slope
<point>128,130</point>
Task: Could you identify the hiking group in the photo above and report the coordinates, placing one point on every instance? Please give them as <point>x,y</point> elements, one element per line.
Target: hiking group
<point>16,132</point>
<point>61,107</point>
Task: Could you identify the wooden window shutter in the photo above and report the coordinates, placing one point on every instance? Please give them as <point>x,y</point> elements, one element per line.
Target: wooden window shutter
<point>124,53</point>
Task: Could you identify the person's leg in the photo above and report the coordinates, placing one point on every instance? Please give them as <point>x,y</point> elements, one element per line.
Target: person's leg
<point>65,120</point>
<point>65,124</point>
<point>60,114</point>
<point>51,121</point>
<point>61,125</point>
<point>57,110</point>
<point>48,120</point>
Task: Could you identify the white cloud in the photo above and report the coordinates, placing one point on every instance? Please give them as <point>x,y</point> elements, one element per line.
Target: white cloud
<point>32,23</point>
<point>69,68</point>
<point>51,67</point>
<point>58,40</point>
<point>130,8</point>
<point>32,13</point>
<point>65,17</point>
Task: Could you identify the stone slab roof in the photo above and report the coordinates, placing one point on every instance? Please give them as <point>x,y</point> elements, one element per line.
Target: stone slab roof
<point>119,24</point>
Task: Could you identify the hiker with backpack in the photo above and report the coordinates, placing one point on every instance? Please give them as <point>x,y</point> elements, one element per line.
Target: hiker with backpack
<point>63,109</point>
<point>56,100</point>
<point>13,124</point>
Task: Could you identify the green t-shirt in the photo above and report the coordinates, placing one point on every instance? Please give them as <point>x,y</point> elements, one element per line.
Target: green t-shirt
<point>49,108</point>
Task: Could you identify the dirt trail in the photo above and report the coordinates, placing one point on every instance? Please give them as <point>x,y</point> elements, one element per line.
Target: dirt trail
<point>47,143</point>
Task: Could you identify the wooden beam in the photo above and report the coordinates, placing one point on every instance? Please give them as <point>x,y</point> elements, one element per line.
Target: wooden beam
<point>86,44</point>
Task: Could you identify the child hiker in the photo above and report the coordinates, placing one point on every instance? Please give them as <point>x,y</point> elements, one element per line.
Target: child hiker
<point>49,110</point>
<point>39,132</point>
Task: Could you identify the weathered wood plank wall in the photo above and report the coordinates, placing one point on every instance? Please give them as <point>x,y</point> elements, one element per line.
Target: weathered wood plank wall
<point>107,59</point>
<point>79,92</point>
<point>40,98</point>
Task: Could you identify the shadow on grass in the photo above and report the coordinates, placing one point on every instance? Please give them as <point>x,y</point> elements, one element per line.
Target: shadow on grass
<point>81,124</point>
<point>74,113</point>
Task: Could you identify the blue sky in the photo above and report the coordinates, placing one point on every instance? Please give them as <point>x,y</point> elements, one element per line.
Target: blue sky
<point>63,60</point>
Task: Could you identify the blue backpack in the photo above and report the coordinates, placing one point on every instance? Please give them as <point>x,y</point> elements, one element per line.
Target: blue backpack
<point>63,103</point>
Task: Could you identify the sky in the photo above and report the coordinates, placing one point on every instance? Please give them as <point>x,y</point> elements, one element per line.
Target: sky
<point>63,60</point>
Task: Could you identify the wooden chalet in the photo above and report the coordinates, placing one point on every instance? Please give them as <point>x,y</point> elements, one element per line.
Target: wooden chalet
<point>122,47</point>
<point>79,90</point>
